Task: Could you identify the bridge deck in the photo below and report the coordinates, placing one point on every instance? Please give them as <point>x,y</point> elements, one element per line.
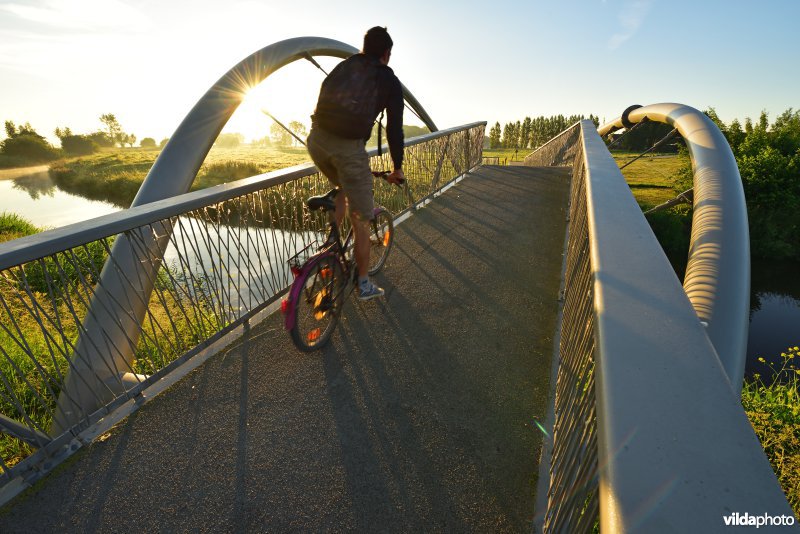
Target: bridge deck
<point>418,415</point>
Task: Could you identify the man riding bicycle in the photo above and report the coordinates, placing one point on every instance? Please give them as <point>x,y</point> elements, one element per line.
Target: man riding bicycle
<point>350,99</point>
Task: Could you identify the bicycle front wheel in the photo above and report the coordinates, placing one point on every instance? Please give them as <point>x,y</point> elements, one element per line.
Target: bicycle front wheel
<point>316,303</point>
<point>381,237</point>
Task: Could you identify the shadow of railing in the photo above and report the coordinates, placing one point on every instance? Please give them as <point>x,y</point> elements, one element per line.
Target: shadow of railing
<point>220,263</point>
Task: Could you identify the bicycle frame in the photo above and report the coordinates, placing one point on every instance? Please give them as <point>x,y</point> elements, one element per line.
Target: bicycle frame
<point>336,248</point>
<point>333,247</point>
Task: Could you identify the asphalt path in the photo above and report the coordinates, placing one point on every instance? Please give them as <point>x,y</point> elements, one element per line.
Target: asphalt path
<point>418,416</point>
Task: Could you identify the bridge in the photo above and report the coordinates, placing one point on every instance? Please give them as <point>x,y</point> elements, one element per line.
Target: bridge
<point>536,361</point>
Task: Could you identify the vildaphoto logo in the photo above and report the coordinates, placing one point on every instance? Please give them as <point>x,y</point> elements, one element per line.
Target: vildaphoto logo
<point>764,520</point>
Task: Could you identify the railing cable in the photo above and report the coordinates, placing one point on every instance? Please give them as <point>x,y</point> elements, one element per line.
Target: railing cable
<point>687,197</point>
<point>625,134</point>
<point>663,140</point>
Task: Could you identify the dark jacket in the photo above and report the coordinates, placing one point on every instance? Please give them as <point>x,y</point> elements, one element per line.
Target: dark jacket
<point>390,98</point>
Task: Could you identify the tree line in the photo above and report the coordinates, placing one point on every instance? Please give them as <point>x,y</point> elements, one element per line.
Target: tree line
<point>24,145</point>
<point>532,132</point>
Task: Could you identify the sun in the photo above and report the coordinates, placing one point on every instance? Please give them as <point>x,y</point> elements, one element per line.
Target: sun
<point>289,94</point>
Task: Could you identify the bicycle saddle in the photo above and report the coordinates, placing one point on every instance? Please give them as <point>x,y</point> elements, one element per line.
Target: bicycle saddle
<point>326,202</point>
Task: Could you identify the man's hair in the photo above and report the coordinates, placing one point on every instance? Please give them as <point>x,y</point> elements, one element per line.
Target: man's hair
<point>376,42</point>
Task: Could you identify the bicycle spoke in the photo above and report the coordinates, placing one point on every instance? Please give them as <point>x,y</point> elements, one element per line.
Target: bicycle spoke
<point>317,305</point>
<point>381,236</point>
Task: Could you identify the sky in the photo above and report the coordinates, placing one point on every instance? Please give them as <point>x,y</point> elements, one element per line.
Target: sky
<point>63,63</point>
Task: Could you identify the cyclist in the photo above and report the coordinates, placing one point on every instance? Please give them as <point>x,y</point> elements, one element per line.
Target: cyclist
<point>350,99</point>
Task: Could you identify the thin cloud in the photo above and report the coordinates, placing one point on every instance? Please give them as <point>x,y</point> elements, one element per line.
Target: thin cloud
<point>83,15</point>
<point>630,19</point>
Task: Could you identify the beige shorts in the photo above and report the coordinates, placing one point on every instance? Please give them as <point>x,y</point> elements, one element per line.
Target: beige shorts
<point>346,164</point>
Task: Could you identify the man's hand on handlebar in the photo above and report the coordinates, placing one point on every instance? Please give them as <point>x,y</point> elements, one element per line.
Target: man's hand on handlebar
<point>397,177</point>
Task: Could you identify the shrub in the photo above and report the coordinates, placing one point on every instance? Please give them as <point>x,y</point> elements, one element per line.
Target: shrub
<point>769,164</point>
<point>774,411</point>
<point>672,228</point>
<point>78,145</point>
<point>30,148</point>
<point>147,142</point>
<point>13,226</point>
<point>101,138</point>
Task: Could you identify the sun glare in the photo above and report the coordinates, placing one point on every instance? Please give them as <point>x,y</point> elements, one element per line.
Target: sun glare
<point>289,94</point>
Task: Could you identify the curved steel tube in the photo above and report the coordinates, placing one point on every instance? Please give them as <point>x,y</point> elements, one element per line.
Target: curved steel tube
<point>717,279</point>
<point>173,172</point>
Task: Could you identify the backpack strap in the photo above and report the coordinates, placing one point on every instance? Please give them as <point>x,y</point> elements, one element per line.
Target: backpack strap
<point>380,143</point>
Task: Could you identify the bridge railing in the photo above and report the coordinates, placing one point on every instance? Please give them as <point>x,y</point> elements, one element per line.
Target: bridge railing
<point>225,252</point>
<point>648,434</point>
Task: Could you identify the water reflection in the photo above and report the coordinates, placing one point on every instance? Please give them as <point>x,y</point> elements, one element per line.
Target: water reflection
<point>238,267</point>
<point>38,199</point>
<point>36,184</point>
<point>774,314</point>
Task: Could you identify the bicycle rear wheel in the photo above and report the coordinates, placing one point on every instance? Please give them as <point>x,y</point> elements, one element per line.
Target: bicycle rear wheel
<point>316,303</point>
<point>381,237</point>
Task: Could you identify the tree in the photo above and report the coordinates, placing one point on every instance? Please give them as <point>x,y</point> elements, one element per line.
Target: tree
<point>510,137</point>
<point>494,136</point>
<point>163,142</point>
<point>24,129</point>
<point>279,136</point>
<point>229,140</point>
<point>262,142</point>
<point>299,129</point>
<point>26,145</point>
<point>414,131</point>
<point>100,138</point>
<point>61,133</point>
<point>525,133</point>
<point>78,145</point>
<point>113,127</point>
<point>147,142</point>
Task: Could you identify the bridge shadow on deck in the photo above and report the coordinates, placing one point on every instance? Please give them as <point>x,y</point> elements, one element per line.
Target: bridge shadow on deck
<point>419,415</point>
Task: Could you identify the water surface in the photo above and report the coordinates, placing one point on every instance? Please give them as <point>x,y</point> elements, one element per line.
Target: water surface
<point>36,198</point>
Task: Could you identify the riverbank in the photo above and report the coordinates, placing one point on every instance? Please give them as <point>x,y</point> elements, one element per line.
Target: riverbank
<point>115,175</point>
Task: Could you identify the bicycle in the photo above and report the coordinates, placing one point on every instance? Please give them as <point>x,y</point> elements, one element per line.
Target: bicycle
<point>326,277</point>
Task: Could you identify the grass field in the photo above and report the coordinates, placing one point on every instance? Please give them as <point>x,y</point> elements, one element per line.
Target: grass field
<point>652,178</point>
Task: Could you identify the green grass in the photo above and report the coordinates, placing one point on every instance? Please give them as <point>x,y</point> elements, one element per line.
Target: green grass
<point>506,155</point>
<point>653,179</point>
<point>13,226</point>
<point>115,175</point>
<point>773,407</point>
<point>23,376</point>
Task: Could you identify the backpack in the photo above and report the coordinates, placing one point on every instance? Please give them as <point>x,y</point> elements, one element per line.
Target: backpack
<point>348,99</point>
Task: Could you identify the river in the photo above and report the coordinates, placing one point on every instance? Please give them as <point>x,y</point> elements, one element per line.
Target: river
<point>774,301</point>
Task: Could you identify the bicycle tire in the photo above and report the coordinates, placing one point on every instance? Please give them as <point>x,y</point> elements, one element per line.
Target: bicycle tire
<point>317,302</point>
<point>381,238</point>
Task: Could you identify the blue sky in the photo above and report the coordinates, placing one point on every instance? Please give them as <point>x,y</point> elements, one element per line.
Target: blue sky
<point>66,62</point>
